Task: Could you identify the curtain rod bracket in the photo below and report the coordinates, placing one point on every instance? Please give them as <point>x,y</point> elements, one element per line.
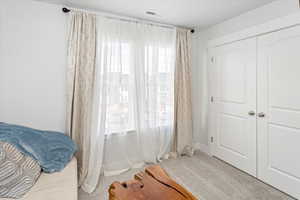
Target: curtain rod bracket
<point>66,10</point>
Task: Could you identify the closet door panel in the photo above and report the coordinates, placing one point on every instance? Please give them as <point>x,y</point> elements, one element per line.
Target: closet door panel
<point>279,101</point>
<point>235,137</point>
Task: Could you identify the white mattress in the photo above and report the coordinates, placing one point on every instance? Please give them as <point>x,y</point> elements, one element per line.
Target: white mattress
<point>56,186</point>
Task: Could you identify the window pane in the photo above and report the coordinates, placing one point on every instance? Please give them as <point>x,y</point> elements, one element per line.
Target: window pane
<point>159,73</point>
<point>157,85</point>
<point>119,112</point>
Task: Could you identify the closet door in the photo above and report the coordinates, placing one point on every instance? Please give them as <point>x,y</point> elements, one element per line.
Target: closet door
<point>235,104</point>
<point>279,110</point>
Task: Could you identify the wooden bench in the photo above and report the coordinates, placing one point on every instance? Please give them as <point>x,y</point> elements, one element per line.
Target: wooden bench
<point>153,184</point>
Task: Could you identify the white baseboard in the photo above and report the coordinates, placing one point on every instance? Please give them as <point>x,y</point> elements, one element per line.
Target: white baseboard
<point>202,147</point>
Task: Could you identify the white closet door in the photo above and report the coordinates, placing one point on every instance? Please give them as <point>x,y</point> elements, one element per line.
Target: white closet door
<point>279,104</point>
<point>235,104</point>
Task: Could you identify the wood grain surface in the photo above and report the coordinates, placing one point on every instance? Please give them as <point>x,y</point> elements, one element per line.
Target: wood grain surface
<point>153,184</point>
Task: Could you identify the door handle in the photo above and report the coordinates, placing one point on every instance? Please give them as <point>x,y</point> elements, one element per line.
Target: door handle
<point>251,113</point>
<point>261,114</point>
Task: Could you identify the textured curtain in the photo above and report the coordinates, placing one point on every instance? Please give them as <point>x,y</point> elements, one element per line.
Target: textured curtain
<point>183,133</point>
<point>80,80</point>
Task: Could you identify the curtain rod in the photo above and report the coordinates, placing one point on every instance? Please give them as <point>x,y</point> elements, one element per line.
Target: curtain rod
<point>67,10</point>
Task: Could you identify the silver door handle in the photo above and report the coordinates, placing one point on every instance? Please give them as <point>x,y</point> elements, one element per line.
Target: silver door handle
<point>261,114</point>
<point>251,113</point>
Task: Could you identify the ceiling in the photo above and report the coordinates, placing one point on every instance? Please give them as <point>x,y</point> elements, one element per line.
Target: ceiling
<point>186,13</point>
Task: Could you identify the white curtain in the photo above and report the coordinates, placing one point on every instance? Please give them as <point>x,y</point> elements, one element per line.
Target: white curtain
<point>134,97</point>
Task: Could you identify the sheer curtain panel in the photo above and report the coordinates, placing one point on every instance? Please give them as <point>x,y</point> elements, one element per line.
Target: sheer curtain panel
<point>133,96</point>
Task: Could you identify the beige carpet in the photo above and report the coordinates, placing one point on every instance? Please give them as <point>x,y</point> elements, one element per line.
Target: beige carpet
<point>207,178</point>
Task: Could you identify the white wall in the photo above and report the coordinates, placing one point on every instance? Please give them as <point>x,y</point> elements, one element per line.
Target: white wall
<point>199,91</point>
<point>32,64</point>
<point>252,18</point>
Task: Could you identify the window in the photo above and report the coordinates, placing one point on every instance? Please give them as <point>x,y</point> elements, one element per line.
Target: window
<point>138,84</point>
<point>119,116</point>
<point>159,65</point>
